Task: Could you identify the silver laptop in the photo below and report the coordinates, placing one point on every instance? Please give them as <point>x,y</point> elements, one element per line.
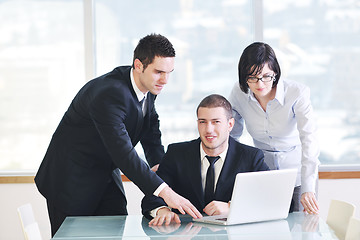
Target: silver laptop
<point>258,196</point>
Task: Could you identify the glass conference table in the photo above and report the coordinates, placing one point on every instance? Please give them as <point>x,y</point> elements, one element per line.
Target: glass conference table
<point>296,226</point>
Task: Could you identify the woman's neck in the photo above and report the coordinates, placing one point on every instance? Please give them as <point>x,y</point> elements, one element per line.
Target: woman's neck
<point>263,100</point>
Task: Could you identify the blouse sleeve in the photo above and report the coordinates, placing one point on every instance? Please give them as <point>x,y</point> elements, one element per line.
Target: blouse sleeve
<point>310,149</point>
<point>234,99</point>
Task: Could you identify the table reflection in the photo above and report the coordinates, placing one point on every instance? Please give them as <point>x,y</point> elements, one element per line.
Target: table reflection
<point>296,226</point>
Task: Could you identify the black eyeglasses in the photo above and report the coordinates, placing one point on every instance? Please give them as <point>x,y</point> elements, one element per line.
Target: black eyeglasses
<point>264,79</point>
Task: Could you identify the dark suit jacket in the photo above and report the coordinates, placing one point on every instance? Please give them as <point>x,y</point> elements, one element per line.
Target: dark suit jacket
<point>96,135</point>
<point>181,170</point>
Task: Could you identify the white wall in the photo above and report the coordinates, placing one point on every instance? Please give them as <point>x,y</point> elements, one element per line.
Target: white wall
<point>14,195</point>
<point>341,189</point>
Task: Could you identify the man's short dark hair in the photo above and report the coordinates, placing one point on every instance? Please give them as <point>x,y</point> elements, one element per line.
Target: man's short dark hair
<point>252,61</point>
<point>216,100</point>
<point>151,46</point>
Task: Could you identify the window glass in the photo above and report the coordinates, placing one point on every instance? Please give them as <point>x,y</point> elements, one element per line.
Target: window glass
<point>317,43</point>
<point>42,63</point>
<point>208,37</point>
<point>41,68</point>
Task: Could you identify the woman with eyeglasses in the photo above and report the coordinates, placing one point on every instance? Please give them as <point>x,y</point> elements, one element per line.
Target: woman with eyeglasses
<point>279,117</point>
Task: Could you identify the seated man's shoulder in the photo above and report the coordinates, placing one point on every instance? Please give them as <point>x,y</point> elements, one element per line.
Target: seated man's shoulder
<point>183,145</point>
<point>245,146</point>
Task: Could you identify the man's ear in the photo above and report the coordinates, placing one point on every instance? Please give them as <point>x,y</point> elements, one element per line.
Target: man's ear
<point>138,65</point>
<point>231,124</point>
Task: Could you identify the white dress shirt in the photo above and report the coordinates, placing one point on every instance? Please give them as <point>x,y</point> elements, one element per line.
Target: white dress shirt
<point>285,131</point>
<point>204,167</point>
<point>140,95</point>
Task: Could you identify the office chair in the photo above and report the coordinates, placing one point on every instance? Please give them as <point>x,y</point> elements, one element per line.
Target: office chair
<point>29,225</point>
<point>353,230</point>
<point>339,216</point>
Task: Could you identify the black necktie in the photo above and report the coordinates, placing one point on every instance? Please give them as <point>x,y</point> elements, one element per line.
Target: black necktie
<point>210,180</point>
<point>141,104</point>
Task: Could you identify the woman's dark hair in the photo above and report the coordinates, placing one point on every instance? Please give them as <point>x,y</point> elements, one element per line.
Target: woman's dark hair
<point>151,46</point>
<point>252,61</point>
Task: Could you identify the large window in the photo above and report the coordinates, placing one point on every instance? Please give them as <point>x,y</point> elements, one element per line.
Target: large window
<point>208,37</point>
<point>42,62</point>
<point>41,68</point>
<point>318,44</point>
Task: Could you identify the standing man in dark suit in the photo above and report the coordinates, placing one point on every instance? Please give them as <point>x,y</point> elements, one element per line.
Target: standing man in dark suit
<point>79,174</point>
<point>185,166</point>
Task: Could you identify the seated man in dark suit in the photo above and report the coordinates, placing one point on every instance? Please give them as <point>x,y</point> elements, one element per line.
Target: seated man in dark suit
<point>186,166</point>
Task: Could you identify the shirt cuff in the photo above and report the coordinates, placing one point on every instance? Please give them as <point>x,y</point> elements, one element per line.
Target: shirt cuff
<point>154,212</point>
<point>160,188</point>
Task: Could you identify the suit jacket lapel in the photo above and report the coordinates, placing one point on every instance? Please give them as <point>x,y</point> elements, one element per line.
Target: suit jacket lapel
<point>194,171</point>
<point>224,186</point>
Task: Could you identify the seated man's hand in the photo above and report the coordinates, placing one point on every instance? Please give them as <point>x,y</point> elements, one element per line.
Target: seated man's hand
<point>164,215</point>
<point>217,208</point>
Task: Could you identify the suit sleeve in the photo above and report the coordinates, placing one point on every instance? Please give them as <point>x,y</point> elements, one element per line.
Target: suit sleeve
<point>167,171</point>
<point>108,112</point>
